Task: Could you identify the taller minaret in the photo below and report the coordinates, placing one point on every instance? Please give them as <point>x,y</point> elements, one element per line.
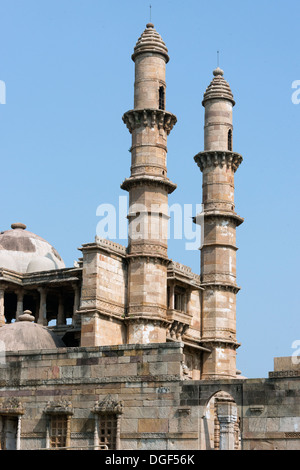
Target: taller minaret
<point>218,164</point>
<point>148,186</point>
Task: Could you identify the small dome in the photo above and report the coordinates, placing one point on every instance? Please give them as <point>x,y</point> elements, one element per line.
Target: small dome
<point>24,335</point>
<point>218,88</point>
<point>23,251</point>
<point>150,41</point>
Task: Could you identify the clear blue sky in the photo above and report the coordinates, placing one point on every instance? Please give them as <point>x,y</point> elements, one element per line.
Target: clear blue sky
<point>64,148</point>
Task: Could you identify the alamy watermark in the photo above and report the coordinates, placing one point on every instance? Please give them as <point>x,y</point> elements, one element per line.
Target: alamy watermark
<point>296,353</point>
<point>296,93</point>
<point>2,92</point>
<point>159,222</point>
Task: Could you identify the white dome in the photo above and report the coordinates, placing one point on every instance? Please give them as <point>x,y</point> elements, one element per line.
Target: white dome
<point>25,252</point>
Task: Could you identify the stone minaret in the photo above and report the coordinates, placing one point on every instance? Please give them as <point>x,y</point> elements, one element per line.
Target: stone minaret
<point>218,164</point>
<point>148,186</point>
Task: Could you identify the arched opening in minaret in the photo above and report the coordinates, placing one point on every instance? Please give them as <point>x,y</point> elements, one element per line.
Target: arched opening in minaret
<point>230,139</point>
<point>161,99</point>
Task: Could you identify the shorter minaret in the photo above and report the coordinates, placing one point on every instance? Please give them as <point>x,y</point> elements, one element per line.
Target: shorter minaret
<point>218,164</point>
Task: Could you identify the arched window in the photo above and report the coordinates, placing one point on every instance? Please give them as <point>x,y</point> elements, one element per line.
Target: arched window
<point>161,99</point>
<point>230,139</point>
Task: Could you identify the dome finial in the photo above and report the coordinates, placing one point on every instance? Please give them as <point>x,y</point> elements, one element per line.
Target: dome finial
<point>18,225</point>
<point>218,71</point>
<point>26,316</point>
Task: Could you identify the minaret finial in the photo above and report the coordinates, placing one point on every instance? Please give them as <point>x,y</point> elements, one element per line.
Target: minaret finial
<point>218,57</point>
<point>150,6</point>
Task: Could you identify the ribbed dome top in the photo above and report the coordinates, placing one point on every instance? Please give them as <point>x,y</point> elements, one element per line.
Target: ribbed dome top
<point>218,88</point>
<point>150,41</point>
<point>24,335</point>
<point>24,251</point>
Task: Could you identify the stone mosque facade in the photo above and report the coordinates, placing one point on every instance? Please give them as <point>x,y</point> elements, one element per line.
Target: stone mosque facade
<point>130,350</point>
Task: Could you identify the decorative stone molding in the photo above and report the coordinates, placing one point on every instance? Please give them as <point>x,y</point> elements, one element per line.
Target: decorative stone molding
<point>145,180</point>
<point>217,215</point>
<point>221,158</point>
<point>284,373</point>
<point>219,286</point>
<point>148,249</point>
<point>110,308</point>
<point>216,342</point>
<point>136,118</point>
<point>256,409</point>
<point>59,407</point>
<point>108,406</point>
<point>11,406</point>
<point>110,246</point>
<point>177,329</point>
<point>141,311</point>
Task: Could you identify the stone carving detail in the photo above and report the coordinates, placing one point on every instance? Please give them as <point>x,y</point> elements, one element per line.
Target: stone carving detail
<point>177,329</point>
<point>108,405</point>
<point>214,158</point>
<point>11,406</point>
<point>149,118</point>
<point>59,407</point>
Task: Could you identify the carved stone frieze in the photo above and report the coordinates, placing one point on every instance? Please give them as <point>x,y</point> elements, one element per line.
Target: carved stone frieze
<point>11,406</point>
<point>60,406</point>
<point>108,405</point>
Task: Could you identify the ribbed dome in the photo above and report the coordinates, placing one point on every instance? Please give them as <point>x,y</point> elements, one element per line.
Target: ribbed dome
<point>24,252</point>
<point>150,41</point>
<point>24,335</point>
<point>218,88</point>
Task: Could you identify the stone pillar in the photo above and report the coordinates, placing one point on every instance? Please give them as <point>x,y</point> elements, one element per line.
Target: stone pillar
<point>20,297</point>
<point>18,437</point>
<point>118,432</point>
<point>227,416</point>
<point>172,296</point>
<point>68,436</point>
<point>96,432</point>
<point>48,423</point>
<point>218,164</point>
<point>76,305</point>
<point>42,320</point>
<point>61,311</point>
<point>2,316</point>
<point>148,186</point>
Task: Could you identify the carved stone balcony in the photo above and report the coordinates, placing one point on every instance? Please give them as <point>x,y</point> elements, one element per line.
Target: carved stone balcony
<point>149,118</point>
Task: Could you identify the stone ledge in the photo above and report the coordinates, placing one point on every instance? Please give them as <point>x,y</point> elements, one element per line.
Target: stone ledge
<point>160,435</point>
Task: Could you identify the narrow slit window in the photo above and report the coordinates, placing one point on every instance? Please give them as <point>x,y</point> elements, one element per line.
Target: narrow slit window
<point>230,139</point>
<point>161,93</point>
